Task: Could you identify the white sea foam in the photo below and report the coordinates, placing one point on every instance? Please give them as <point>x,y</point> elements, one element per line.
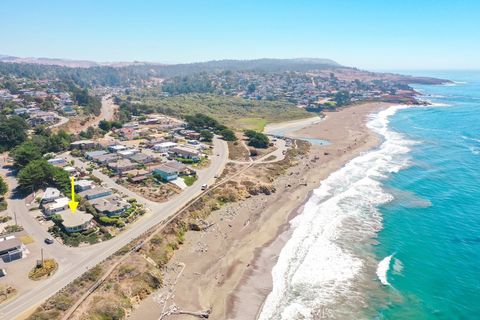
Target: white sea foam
<point>474,150</point>
<point>313,269</point>
<point>438,104</point>
<point>397,266</point>
<point>382,270</point>
<point>471,139</point>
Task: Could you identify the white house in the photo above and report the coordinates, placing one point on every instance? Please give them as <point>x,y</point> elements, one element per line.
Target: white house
<point>82,185</point>
<point>50,195</point>
<point>164,146</point>
<point>57,205</point>
<point>75,222</point>
<point>57,161</point>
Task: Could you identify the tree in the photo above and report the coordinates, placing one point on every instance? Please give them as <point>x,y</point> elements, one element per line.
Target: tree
<point>3,187</point>
<point>39,173</point>
<point>206,135</point>
<point>257,139</point>
<point>228,134</point>
<point>251,88</point>
<point>34,175</point>
<point>13,131</point>
<point>105,125</point>
<point>24,153</point>
<point>342,98</point>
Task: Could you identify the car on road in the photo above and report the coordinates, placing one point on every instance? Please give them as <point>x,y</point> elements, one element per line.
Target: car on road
<point>204,186</point>
<point>3,272</point>
<point>48,240</point>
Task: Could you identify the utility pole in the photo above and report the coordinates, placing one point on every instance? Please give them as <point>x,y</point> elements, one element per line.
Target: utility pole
<point>42,255</point>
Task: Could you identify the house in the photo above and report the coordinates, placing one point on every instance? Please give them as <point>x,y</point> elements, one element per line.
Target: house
<point>150,121</point>
<point>180,167</point>
<point>127,152</point>
<point>69,111</point>
<point>116,148</point>
<point>11,248</point>
<point>50,195</point>
<point>75,222</point>
<point>110,206</point>
<point>122,165</point>
<point>95,193</point>
<point>70,170</point>
<point>92,155</point>
<point>186,153</point>
<point>190,134</point>
<point>57,205</point>
<point>137,175</point>
<point>106,158</point>
<point>41,117</point>
<point>141,158</point>
<point>82,185</point>
<point>166,173</point>
<point>83,144</point>
<point>133,125</point>
<point>164,146</point>
<point>59,162</point>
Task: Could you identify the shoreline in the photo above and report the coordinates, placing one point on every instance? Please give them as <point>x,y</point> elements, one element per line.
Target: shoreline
<point>248,236</point>
<point>241,298</point>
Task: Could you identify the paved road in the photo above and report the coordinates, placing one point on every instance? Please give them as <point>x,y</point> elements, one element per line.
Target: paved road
<point>81,259</point>
<point>62,121</point>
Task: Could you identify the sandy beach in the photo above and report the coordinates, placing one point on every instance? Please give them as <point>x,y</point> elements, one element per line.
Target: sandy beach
<point>227,268</point>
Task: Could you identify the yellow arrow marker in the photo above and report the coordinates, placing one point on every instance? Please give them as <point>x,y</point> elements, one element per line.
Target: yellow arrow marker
<point>72,203</point>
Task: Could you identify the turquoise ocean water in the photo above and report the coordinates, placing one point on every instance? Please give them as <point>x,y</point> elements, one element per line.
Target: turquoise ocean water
<point>395,233</point>
<point>431,228</point>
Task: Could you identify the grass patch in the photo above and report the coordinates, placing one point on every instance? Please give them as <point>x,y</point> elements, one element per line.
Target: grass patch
<point>13,228</point>
<point>3,206</point>
<point>190,180</point>
<point>46,270</point>
<point>227,110</point>
<point>26,240</point>
<point>257,124</point>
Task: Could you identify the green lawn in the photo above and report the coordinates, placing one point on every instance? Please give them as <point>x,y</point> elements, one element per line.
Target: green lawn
<point>190,180</point>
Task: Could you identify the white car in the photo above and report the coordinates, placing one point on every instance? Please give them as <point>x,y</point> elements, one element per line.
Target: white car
<point>204,186</point>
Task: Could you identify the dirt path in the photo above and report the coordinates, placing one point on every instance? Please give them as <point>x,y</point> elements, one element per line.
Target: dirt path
<point>107,112</point>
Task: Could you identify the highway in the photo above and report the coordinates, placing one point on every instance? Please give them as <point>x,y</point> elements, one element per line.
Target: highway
<point>73,262</point>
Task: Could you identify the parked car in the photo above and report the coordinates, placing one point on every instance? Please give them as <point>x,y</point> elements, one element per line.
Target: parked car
<point>48,240</point>
<point>3,272</point>
<point>204,186</point>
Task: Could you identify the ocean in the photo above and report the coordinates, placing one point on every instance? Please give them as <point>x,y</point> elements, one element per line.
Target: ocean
<point>395,233</point>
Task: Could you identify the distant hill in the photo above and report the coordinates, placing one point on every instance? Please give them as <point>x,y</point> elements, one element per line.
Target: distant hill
<point>273,65</point>
<point>64,62</point>
<point>89,73</point>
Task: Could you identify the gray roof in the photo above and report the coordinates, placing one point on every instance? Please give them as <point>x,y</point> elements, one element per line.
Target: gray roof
<point>72,220</point>
<point>94,191</point>
<point>176,165</point>
<point>166,169</point>
<point>9,244</point>
<point>95,153</point>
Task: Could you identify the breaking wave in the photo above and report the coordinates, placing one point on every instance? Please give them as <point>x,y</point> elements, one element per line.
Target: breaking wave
<point>383,268</point>
<point>321,260</point>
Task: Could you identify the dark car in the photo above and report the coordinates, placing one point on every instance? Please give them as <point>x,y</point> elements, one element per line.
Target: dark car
<point>48,241</point>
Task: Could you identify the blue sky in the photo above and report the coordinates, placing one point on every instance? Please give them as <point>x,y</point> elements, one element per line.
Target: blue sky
<point>401,34</point>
